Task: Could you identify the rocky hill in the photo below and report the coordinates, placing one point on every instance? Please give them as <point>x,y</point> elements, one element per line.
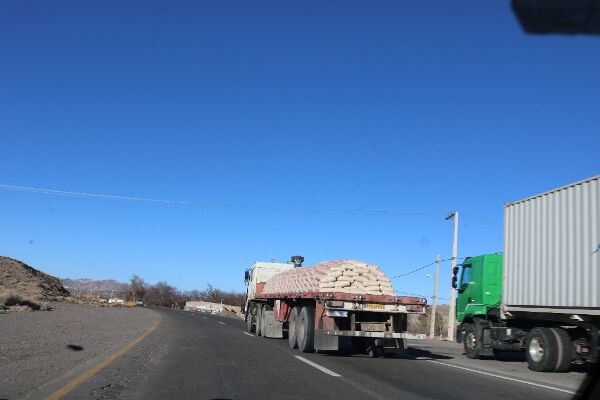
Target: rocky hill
<point>21,284</point>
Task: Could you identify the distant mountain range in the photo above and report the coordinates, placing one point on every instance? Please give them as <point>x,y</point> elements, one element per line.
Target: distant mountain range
<point>85,286</point>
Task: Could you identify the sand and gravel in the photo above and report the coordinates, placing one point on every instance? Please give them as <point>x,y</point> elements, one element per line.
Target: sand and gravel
<point>38,347</point>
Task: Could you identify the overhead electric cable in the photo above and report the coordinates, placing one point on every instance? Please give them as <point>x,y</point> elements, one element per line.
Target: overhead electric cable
<point>290,210</point>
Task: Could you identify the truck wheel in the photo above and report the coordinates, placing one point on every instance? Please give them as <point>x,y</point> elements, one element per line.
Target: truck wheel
<point>306,330</point>
<point>374,351</point>
<point>257,330</point>
<point>249,315</point>
<point>293,328</point>
<point>565,350</point>
<point>471,344</point>
<point>548,349</point>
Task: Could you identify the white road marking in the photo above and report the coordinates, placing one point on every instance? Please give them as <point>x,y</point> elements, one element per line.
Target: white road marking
<point>246,333</point>
<point>317,366</point>
<point>504,377</point>
<point>222,323</point>
<point>204,317</point>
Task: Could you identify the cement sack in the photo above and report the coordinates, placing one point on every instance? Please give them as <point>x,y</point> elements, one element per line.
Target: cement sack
<point>342,284</point>
<point>371,283</point>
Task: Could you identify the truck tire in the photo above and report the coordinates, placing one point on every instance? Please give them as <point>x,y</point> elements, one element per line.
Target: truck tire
<point>548,350</point>
<point>306,329</point>
<point>374,351</point>
<point>249,317</point>
<point>471,343</point>
<point>257,330</point>
<point>565,350</point>
<point>293,328</point>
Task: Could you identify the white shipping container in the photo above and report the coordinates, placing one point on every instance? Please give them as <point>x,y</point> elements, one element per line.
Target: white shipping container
<point>552,251</point>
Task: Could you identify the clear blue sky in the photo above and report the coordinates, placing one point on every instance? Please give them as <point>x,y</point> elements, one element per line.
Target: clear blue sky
<point>418,107</point>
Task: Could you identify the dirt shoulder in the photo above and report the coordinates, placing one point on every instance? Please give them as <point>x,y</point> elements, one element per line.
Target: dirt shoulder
<point>38,347</point>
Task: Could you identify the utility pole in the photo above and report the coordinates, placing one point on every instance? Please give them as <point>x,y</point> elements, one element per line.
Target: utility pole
<point>451,317</point>
<point>435,297</point>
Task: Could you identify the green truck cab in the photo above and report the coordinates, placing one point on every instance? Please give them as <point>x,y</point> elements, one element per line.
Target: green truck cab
<point>479,287</point>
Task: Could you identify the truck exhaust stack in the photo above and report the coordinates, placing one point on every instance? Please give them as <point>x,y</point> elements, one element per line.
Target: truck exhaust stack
<point>297,261</point>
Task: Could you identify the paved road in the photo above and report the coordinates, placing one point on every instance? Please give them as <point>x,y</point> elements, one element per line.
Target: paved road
<point>206,357</point>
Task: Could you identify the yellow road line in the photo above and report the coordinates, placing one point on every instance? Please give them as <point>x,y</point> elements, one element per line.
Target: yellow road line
<point>104,363</point>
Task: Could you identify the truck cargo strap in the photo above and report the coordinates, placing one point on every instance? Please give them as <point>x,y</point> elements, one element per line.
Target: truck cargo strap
<point>386,335</point>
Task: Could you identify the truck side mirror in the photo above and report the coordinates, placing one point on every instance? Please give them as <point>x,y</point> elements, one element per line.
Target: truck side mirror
<point>247,276</point>
<point>454,277</point>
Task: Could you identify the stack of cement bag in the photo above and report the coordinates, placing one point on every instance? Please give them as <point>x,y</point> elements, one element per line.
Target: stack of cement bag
<point>356,278</point>
<point>341,276</point>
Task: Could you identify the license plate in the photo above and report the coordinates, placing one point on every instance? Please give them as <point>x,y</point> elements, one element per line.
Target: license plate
<point>375,306</point>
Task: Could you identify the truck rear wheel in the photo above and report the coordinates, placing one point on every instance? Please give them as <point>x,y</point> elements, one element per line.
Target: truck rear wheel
<point>249,317</point>
<point>548,350</point>
<point>293,328</point>
<point>565,347</point>
<point>257,329</point>
<point>471,343</point>
<point>306,329</point>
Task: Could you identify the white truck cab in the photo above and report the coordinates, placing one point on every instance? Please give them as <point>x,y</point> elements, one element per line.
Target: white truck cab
<point>260,272</point>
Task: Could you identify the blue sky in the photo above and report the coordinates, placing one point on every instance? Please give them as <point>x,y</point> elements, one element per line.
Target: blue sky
<point>269,110</point>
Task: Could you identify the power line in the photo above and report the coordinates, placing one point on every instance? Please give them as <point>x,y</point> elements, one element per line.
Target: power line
<point>425,266</point>
<point>414,270</point>
<point>83,194</point>
<point>288,210</point>
<point>419,269</point>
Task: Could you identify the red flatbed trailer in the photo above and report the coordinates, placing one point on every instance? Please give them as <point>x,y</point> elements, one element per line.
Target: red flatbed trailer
<point>330,320</point>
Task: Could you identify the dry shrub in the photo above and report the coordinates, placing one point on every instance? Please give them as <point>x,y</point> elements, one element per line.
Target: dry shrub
<point>10,298</point>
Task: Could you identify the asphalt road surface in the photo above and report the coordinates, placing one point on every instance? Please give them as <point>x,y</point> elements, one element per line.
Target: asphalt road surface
<point>199,356</point>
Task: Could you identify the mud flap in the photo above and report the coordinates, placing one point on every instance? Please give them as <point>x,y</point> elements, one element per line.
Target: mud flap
<point>326,342</point>
<point>272,328</point>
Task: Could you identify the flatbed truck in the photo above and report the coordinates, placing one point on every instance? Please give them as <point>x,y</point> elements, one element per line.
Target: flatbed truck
<point>328,320</point>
